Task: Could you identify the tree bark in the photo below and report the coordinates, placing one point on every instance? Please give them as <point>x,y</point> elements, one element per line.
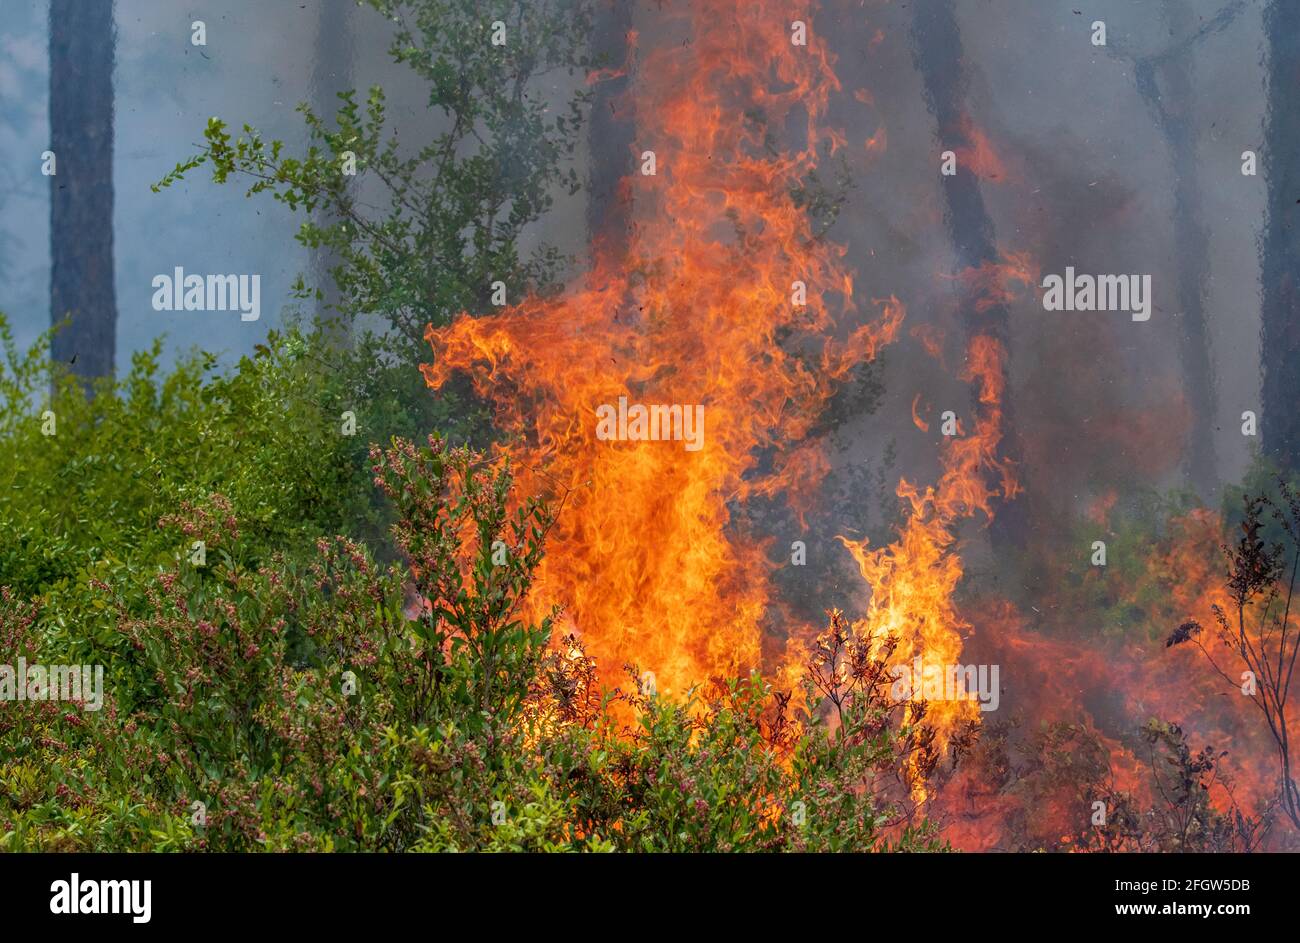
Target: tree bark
<point>610,132</point>
<point>331,74</point>
<point>938,58</point>
<point>1280,245</point>
<point>82,286</point>
<point>1165,84</point>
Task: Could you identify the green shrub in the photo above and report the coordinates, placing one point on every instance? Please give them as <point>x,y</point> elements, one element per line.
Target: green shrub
<point>332,702</point>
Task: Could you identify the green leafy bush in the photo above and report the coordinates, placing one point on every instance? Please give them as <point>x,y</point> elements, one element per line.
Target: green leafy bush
<point>331,702</point>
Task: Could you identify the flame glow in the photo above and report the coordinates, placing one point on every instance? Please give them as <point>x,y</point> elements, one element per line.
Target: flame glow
<point>726,297</point>
<point>647,561</point>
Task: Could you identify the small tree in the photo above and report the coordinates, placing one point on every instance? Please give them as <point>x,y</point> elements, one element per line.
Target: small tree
<point>1258,627</point>
<point>454,206</point>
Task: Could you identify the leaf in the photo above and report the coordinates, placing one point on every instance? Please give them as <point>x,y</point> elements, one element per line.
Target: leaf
<point>1183,633</point>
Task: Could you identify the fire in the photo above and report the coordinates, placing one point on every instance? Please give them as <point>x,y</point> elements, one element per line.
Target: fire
<point>980,157</point>
<point>931,338</point>
<point>723,299</point>
<point>1112,686</point>
<point>914,578</point>
<point>999,283</point>
<point>646,561</point>
<point>1100,508</point>
<point>916,416</point>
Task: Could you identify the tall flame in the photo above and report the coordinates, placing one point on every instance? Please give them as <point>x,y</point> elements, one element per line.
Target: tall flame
<point>913,579</point>
<point>648,561</point>
<point>703,307</point>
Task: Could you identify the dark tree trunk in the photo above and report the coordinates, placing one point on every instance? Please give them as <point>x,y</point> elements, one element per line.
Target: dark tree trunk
<point>1165,84</point>
<point>938,57</point>
<point>1280,249</point>
<point>610,132</point>
<point>81,192</point>
<point>331,74</point>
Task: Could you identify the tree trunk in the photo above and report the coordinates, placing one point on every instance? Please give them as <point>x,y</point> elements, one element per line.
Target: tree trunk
<point>938,57</point>
<point>81,191</point>
<point>1280,246</point>
<point>1165,85</point>
<point>331,74</point>
<point>610,132</point>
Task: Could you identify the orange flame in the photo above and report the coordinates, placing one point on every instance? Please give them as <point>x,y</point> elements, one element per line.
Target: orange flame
<point>916,416</point>
<point>703,310</point>
<point>913,579</point>
<point>979,157</point>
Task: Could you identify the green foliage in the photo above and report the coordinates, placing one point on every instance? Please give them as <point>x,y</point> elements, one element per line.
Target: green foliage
<point>85,500</point>
<point>728,770</point>
<point>472,563</point>
<point>421,230</point>
<point>322,700</point>
<point>1149,536</point>
<point>453,207</point>
<point>1263,479</point>
<point>1129,597</point>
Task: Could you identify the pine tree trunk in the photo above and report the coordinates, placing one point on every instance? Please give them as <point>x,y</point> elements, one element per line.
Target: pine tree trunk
<point>1166,87</point>
<point>1280,246</point>
<point>331,74</point>
<point>82,285</point>
<point>938,58</point>
<point>610,132</point>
